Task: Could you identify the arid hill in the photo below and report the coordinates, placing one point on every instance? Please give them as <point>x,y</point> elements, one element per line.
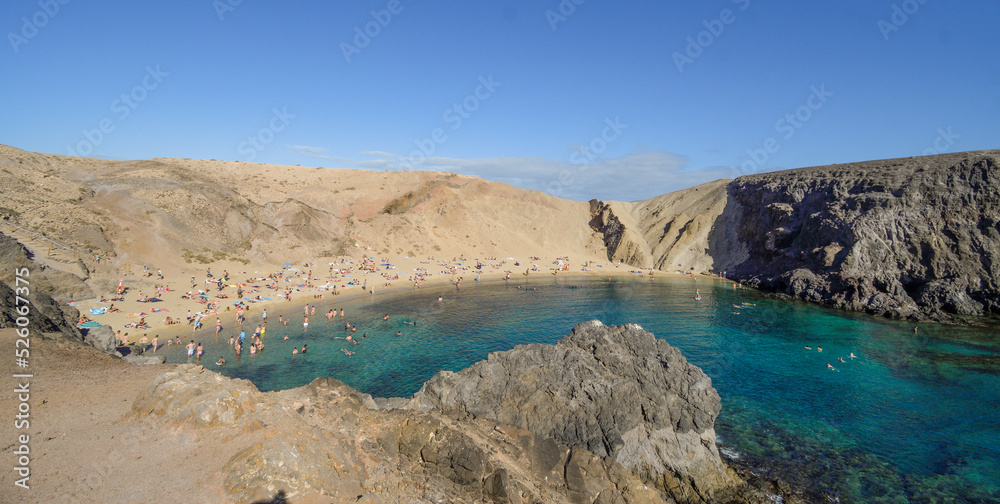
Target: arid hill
<point>200,211</point>
<point>907,238</point>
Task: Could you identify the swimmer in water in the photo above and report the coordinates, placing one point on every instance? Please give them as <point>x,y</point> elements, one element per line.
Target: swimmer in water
<point>399,333</point>
<point>819,349</point>
<point>440,298</point>
<point>829,366</point>
<point>808,348</point>
<point>841,359</point>
<point>221,361</point>
<point>853,356</point>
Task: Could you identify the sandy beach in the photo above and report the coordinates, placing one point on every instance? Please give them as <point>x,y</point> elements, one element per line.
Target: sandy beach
<point>311,290</point>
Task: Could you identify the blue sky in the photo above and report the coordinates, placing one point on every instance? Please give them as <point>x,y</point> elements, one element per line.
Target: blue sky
<point>581,99</point>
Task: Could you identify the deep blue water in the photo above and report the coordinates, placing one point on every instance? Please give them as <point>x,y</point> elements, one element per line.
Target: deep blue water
<point>915,418</point>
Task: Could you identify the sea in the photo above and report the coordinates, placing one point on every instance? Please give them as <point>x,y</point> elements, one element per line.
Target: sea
<point>913,416</point>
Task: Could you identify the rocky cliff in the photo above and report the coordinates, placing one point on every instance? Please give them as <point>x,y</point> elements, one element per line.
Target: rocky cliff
<point>615,391</point>
<point>907,238</point>
<point>45,287</point>
<point>609,415</point>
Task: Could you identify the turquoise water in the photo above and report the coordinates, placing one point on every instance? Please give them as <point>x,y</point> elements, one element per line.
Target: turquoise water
<point>913,419</point>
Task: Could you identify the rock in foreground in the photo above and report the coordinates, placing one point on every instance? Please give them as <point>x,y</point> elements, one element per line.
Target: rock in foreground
<point>616,391</point>
<point>608,415</point>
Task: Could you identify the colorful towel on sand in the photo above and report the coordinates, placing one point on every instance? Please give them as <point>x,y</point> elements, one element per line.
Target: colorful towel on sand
<point>98,311</point>
<point>90,324</point>
<point>158,310</point>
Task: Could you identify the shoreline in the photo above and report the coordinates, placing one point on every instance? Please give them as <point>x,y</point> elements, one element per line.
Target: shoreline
<point>176,308</point>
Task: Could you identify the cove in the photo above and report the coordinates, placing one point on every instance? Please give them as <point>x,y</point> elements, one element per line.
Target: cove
<point>911,419</point>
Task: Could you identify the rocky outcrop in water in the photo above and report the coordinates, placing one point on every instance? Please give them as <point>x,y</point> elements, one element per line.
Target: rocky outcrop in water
<point>610,416</point>
<point>616,391</point>
<point>328,439</point>
<point>904,238</point>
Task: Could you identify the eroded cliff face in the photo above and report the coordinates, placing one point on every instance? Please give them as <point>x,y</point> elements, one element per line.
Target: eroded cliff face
<point>614,222</point>
<point>906,238</point>
<point>915,237</point>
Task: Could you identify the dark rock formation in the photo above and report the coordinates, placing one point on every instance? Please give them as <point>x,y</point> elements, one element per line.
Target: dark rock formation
<point>616,391</point>
<point>610,415</point>
<point>60,285</point>
<point>101,338</point>
<point>904,238</point>
<point>329,439</point>
<point>44,314</point>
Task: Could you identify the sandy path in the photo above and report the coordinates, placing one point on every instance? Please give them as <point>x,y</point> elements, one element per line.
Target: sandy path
<point>83,447</point>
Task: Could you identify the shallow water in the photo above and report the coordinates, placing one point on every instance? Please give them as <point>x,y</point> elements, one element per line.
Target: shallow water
<point>912,419</point>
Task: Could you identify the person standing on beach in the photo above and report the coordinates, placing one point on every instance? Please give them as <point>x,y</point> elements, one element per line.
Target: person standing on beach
<point>190,348</point>
<point>218,325</point>
<point>155,339</point>
<point>341,314</point>
<point>264,315</point>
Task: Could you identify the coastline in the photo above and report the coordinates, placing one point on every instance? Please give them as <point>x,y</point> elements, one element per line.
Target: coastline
<point>176,307</point>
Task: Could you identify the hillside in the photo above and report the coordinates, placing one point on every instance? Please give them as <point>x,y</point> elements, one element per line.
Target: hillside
<point>906,238</point>
<point>182,210</point>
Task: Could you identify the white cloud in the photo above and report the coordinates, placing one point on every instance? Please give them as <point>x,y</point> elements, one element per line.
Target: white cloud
<point>631,177</point>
